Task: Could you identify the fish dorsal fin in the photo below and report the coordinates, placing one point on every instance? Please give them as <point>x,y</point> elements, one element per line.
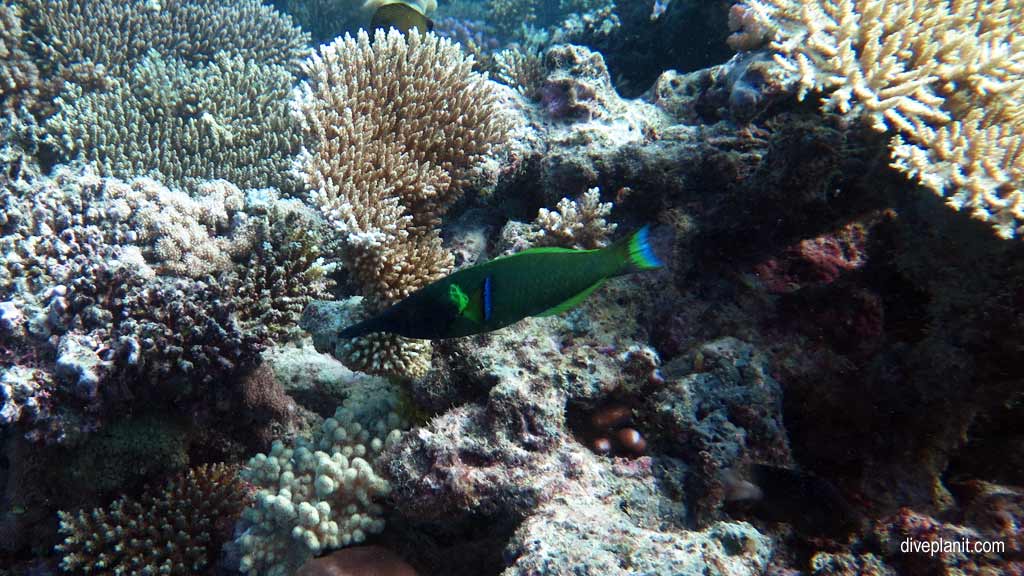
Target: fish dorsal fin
<point>573,301</point>
<point>542,250</point>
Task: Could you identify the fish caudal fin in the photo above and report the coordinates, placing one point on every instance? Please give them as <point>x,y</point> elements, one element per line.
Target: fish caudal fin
<point>636,252</point>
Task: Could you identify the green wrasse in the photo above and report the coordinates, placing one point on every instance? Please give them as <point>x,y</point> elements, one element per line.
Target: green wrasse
<point>503,291</point>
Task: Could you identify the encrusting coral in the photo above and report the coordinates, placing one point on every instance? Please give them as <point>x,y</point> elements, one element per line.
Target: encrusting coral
<point>315,495</point>
<point>398,128</point>
<point>176,529</point>
<point>947,76</point>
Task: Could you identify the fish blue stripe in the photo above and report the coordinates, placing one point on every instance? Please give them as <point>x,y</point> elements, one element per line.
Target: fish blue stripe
<point>487,298</point>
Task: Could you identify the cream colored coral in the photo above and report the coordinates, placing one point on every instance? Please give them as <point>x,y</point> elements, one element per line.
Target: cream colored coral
<point>576,224</point>
<point>397,128</point>
<point>948,76</point>
<point>315,496</point>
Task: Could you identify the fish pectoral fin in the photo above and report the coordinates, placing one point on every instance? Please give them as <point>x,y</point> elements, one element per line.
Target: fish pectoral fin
<point>573,301</point>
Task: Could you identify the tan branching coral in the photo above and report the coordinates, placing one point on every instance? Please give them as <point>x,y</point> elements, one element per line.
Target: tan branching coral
<point>948,76</point>
<point>576,224</point>
<point>177,529</point>
<point>225,119</point>
<point>398,127</point>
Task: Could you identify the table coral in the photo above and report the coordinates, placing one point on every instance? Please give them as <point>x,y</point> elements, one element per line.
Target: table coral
<point>118,34</point>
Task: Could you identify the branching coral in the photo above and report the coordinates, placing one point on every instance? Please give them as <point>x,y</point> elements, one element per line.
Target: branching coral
<point>19,76</point>
<point>283,269</point>
<point>948,76</point>
<point>183,123</point>
<point>117,34</point>
<point>576,224</point>
<point>398,127</point>
<point>521,67</point>
<point>315,496</point>
<point>176,529</point>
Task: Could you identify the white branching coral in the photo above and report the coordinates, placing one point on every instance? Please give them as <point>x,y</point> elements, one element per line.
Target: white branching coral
<point>398,127</point>
<point>315,496</point>
<point>576,223</point>
<point>947,76</point>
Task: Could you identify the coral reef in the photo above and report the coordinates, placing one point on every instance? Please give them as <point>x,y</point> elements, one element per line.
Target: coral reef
<point>509,453</point>
<point>398,128</point>
<point>96,282</point>
<point>317,495</point>
<point>952,102</point>
<point>183,123</point>
<point>176,529</point>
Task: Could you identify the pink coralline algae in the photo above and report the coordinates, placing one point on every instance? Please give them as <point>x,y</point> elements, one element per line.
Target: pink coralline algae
<point>815,261</point>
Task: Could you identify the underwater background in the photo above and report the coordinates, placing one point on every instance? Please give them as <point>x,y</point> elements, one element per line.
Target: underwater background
<point>815,367</point>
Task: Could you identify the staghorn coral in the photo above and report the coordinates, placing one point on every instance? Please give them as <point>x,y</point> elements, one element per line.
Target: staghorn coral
<point>183,123</point>
<point>316,495</point>
<point>118,34</point>
<point>947,76</point>
<point>176,529</point>
<point>398,128</point>
<point>576,224</point>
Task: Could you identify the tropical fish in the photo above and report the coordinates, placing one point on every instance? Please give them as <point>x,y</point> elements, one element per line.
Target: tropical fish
<point>402,16</point>
<point>503,291</point>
